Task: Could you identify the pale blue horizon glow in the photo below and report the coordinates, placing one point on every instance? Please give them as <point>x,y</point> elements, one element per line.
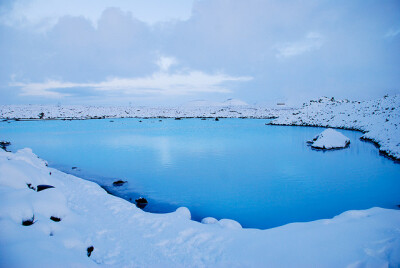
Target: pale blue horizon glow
<point>170,52</point>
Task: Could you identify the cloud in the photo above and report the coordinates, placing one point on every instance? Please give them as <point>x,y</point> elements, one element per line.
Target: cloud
<point>158,83</point>
<point>42,15</point>
<point>166,62</point>
<point>392,33</point>
<point>312,41</point>
<point>333,48</point>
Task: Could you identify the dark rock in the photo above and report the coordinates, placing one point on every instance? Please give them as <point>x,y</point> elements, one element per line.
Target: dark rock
<point>30,186</point>
<point>4,145</point>
<point>90,250</point>
<point>119,183</point>
<point>141,202</point>
<point>29,222</point>
<point>216,119</point>
<point>74,167</point>
<point>43,187</point>
<point>56,219</point>
<point>178,118</point>
<point>111,121</point>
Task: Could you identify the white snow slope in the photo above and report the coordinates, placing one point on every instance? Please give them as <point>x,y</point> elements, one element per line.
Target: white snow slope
<point>379,119</point>
<point>329,139</point>
<point>125,236</point>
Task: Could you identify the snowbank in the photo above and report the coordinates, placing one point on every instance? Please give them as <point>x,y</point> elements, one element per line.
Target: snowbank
<point>123,235</point>
<point>329,139</point>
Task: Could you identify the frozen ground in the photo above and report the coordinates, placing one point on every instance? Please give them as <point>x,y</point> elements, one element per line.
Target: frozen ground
<point>124,236</point>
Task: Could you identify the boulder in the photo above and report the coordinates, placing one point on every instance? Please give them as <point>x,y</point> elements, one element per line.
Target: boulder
<point>141,202</point>
<point>42,187</point>
<point>119,183</point>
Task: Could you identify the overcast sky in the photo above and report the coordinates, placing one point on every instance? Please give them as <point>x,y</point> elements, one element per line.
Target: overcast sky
<point>158,52</point>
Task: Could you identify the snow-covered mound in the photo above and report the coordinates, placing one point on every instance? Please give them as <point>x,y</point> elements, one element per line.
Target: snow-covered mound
<point>378,119</point>
<point>77,224</point>
<point>329,139</point>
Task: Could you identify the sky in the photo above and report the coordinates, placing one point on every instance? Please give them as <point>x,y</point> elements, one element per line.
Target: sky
<point>158,52</point>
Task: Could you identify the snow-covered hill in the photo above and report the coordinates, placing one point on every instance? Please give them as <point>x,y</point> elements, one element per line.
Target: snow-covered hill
<point>77,224</point>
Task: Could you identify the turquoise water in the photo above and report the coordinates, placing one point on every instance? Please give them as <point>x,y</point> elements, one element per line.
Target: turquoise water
<point>262,176</point>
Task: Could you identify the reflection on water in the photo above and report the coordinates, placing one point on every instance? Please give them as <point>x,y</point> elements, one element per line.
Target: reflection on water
<point>261,176</point>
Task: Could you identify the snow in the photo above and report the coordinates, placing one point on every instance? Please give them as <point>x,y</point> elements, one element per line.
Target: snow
<point>329,139</point>
<point>378,119</point>
<point>123,235</point>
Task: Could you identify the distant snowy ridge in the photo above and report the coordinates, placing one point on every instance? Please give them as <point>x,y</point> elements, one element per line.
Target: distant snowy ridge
<point>196,109</point>
<point>77,224</point>
<point>378,119</point>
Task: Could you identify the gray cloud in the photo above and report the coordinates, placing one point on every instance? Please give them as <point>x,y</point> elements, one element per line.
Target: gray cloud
<point>291,49</point>
<point>158,83</point>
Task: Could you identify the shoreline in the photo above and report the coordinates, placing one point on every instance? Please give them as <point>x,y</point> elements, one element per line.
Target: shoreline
<point>108,187</point>
<point>369,140</point>
<point>378,120</point>
<point>384,153</point>
<point>90,217</point>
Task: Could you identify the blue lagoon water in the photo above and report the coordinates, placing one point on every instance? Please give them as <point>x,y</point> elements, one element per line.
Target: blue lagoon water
<point>262,176</point>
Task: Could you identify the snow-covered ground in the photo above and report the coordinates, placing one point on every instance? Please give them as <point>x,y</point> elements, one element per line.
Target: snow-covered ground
<point>329,139</point>
<point>86,112</point>
<point>379,119</point>
<point>124,236</point>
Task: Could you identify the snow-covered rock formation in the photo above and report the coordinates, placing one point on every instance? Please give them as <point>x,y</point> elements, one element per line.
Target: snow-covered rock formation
<point>329,139</point>
<point>77,224</point>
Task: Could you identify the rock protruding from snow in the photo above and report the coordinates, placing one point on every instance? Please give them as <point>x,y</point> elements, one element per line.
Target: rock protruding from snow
<point>330,139</point>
